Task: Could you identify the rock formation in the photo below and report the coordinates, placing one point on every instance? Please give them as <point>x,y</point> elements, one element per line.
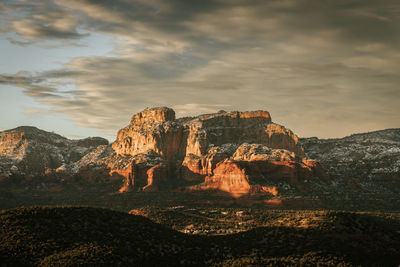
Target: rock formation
<point>29,150</point>
<point>255,168</point>
<point>232,152</point>
<point>193,149</point>
<point>151,130</point>
<point>368,161</point>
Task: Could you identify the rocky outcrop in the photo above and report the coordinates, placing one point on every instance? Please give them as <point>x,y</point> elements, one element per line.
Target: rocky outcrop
<point>156,129</point>
<point>236,128</point>
<point>156,176</point>
<point>29,150</point>
<point>196,168</point>
<point>254,168</point>
<point>233,152</point>
<point>151,130</point>
<point>369,162</point>
<point>144,171</point>
<point>193,147</point>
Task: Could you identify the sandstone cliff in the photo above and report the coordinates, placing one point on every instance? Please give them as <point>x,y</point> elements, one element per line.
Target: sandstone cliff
<point>255,168</point>
<point>151,130</point>
<point>190,149</point>
<point>233,152</point>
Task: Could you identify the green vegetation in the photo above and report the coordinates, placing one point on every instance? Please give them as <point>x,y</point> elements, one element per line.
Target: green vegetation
<point>46,236</point>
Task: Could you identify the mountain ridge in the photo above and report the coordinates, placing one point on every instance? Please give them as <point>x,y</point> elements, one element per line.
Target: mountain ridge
<point>234,153</point>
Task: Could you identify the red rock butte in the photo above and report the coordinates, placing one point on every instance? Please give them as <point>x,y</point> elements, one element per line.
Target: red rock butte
<point>233,152</point>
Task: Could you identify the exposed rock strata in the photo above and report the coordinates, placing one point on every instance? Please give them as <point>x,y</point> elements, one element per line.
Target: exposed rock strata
<point>233,152</point>
<point>151,130</point>
<point>191,149</point>
<point>254,168</point>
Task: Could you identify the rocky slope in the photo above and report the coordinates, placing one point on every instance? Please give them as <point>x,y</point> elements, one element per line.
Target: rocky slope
<point>29,151</point>
<point>367,161</point>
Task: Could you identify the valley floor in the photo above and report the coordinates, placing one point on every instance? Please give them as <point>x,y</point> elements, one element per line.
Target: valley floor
<point>104,196</point>
<point>171,236</point>
<point>81,225</point>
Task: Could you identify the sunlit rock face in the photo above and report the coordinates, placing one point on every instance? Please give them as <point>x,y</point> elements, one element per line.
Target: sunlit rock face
<point>255,168</point>
<point>192,148</point>
<point>151,130</point>
<point>156,129</point>
<point>236,128</point>
<point>232,152</point>
<point>197,167</point>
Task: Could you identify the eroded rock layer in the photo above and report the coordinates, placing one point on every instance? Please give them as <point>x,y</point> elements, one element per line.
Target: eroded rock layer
<point>192,149</point>
<point>232,152</point>
<point>254,168</point>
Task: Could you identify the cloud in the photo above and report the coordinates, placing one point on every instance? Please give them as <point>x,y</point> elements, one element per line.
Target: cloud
<point>39,86</point>
<point>322,68</point>
<point>40,20</point>
<point>20,43</point>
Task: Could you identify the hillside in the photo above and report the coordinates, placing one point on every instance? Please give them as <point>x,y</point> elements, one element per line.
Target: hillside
<point>43,236</point>
<point>369,162</point>
<point>28,153</point>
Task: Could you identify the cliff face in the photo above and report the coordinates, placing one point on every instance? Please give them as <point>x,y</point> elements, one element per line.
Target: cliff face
<point>232,152</point>
<point>156,129</point>
<point>255,168</point>
<point>151,130</point>
<point>192,148</point>
<point>236,128</point>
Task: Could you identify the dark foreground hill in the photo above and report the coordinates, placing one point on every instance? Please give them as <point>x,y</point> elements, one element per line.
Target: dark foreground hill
<point>89,236</point>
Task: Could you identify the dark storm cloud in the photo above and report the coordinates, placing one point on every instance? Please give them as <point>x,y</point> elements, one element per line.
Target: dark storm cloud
<point>325,68</point>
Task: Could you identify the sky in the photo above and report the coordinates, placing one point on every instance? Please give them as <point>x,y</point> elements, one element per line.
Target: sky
<point>325,68</point>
